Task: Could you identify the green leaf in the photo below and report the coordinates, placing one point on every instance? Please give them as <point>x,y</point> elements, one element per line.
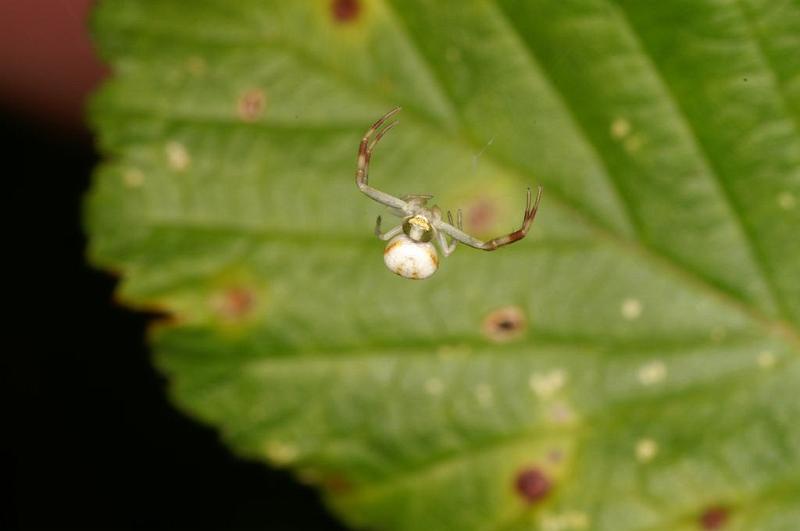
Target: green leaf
<point>631,365</point>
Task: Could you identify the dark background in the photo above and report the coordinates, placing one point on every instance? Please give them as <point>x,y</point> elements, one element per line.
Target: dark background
<point>92,441</point>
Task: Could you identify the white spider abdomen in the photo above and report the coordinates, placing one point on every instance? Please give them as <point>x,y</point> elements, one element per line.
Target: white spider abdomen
<point>407,258</point>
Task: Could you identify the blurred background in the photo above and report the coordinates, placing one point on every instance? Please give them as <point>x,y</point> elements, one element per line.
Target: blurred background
<point>93,441</point>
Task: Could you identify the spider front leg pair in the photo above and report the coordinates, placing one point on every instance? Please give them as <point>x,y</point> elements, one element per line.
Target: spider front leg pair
<point>410,252</point>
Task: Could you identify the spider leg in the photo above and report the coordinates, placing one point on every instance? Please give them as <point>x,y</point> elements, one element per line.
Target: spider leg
<point>531,208</point>
<point>447,249</point>
<point>368,143</point>
<point>389,234</point>
<point>460,219</point>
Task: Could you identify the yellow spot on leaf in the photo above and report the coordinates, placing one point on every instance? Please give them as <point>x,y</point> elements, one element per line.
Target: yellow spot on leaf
<point>177,156</point>
<point>652,373</point>
<point>646,450</point>
<point>133,178</point>
<point>620,128</point>
<point>546,385</point>
<point>787,200</point>
<point>281,453</point>
<point>766,359</point>
<point>631,309</point>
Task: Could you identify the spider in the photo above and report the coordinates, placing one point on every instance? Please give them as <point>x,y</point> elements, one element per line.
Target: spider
<point>410,252</point>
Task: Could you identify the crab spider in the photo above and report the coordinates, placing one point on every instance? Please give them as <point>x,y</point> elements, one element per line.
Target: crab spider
<point>410,252</point>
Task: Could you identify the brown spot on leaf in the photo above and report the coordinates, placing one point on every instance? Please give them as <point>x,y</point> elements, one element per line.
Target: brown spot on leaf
<point>504,324</point>
<point>714,518</point>
<point>251,105</point>
<point>337,484</point>
<point>344,11</point>
<point>532,484</point>
<point>481,216</point>
<point>333,482</point>
<point>555,455</point>
<point>234,303</point>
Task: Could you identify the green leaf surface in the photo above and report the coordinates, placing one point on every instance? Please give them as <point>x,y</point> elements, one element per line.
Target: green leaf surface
<point>631,365</point>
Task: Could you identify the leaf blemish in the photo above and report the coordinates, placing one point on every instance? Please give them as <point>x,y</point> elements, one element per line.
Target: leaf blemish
<point>766,359</point>
<point>234,303</point>
<point>251,105</point>
<point>561,413</point>
<point>345,10</point>
<point>337,484</point>
<point>631,309</point>
<point>786,200</point>
<point>177,156</point>
<point>652,373</point>
<point>714,518</point>
<point>646,450</point>
<point>555,455</point>
<point>196,65</point>
<point>481,215</point>
<point>281,453</point>
<point>546,385</point>
<point>504,324</point>
<point>532,484</point>
<point>133,178</point>
<point>620,128</point>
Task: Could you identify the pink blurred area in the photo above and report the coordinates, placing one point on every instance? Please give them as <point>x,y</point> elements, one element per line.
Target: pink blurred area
<point>47,63</point>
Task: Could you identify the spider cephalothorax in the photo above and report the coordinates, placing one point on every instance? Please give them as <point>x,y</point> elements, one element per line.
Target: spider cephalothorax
<point>418,228</point>
<point>410,252</point>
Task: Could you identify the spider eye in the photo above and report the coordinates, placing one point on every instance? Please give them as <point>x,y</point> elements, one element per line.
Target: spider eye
<point>407,258</point>
<point>418,229</point>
